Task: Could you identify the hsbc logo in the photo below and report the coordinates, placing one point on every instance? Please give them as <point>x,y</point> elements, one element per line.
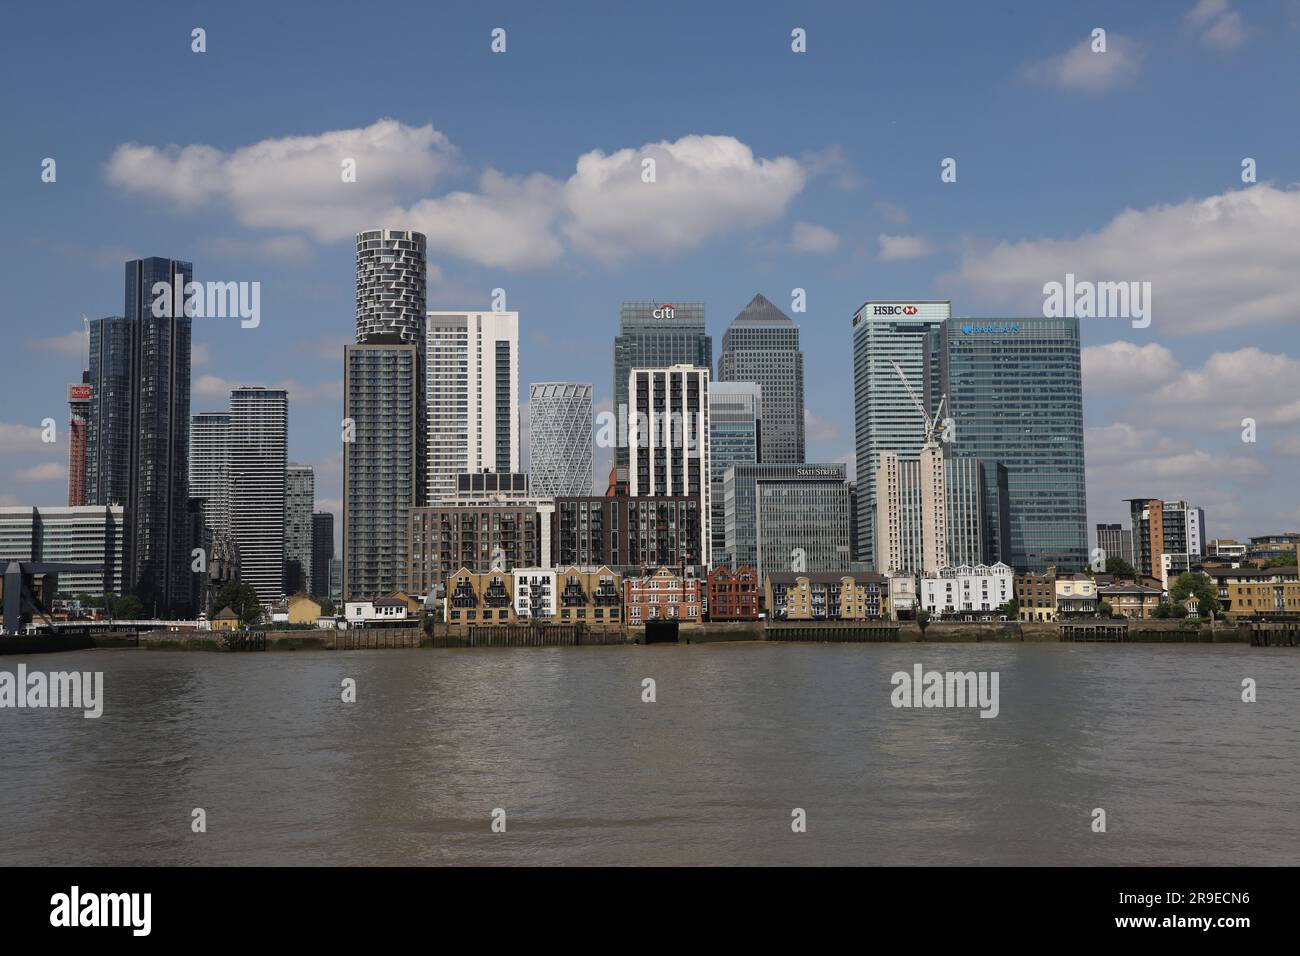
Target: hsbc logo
<point>894,310</point>
<point>664,312</point>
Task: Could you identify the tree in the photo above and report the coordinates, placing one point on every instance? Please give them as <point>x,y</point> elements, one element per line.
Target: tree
<point>1119,568</point>
<point>1281,561</point>
<point>326,607</point>
<point>124,608</point>
<point>922,619</point>
<point>1104,609</point>
<point>242,599</point>
<point>1198,585</point>
<point>1011,609</point>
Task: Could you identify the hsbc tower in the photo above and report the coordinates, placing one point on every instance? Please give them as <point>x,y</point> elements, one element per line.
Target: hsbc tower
<point>887,332</point>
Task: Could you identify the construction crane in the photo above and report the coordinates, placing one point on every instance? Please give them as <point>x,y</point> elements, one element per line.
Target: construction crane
<point>931,424</point>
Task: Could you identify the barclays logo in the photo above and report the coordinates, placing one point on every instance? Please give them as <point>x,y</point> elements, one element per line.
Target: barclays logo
<point>971,328</point>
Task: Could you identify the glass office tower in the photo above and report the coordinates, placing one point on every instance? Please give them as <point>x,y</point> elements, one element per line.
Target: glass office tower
<point>1016,397</point>
<point>762,345</point>
<point>138,434</point>
<point>886,418</point>
<point>657,334</point>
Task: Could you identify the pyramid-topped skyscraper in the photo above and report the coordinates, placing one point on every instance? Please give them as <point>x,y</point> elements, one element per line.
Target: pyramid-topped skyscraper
<point>762,345</point>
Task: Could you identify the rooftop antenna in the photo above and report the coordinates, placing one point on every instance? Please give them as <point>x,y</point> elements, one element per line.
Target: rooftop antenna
<point>85,324</point>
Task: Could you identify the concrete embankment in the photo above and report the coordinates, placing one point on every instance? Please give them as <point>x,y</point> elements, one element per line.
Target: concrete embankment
<point>568,635</point>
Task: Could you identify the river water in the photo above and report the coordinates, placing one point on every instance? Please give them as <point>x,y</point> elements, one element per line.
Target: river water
<point>739,736</point>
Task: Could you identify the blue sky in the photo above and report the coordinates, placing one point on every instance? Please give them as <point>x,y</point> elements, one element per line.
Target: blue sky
<point>776,170</point>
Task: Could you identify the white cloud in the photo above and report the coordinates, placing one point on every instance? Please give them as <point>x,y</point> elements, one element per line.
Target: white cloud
<point>1226,261</point>
<point>1080,69</point>
<point>295,182</point>
<point>807,237</point>
<point>47,471</point>
<point>817,428</point>
<point>19,438</point>
<point>1219,27</point>
<point>291,249</point>
<point>508,224</point>
<point>704,186</point>
<point>1230,386</point>
<point>199,354</point>
<point>1129,461</point>
<point>72,344</point>
<point>899,248</point>
<point>1124,365</point>
<point>834,163</point>
<point>892,212</point>
<point>1288,445</point>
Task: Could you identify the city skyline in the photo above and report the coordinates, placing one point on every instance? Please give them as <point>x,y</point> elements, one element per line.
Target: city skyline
<point>1163,405</point>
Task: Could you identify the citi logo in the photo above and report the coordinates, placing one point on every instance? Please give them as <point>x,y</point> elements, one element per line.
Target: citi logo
<point>664,312</point>
<point>894,310</point>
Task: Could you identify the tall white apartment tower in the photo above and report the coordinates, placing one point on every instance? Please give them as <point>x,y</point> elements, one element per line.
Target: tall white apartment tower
<point>559,438</point>
<point>472,359</point>
<point>259,442</point>
<point>668,439</point>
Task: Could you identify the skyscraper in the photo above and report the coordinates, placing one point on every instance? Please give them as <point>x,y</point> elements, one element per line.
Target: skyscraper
<point>78,426</point>
<point>259,441</point>
<point>559,438</point>
<point>656,334</point>
<point>1016,397</point>
<point>322,552</point>
<point>886,418</point>
<point>762,345</point>
<point>668,438</point>
<point>210,468</point>
<point>108,447</point>
<point>385,410</point>
<point>137,452</point>
<point>382,452</point>
<point>792,517</point>
<point>735,437</point>
<point>391,285</point>
<point>299,502</point>
<point>473,396</point>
